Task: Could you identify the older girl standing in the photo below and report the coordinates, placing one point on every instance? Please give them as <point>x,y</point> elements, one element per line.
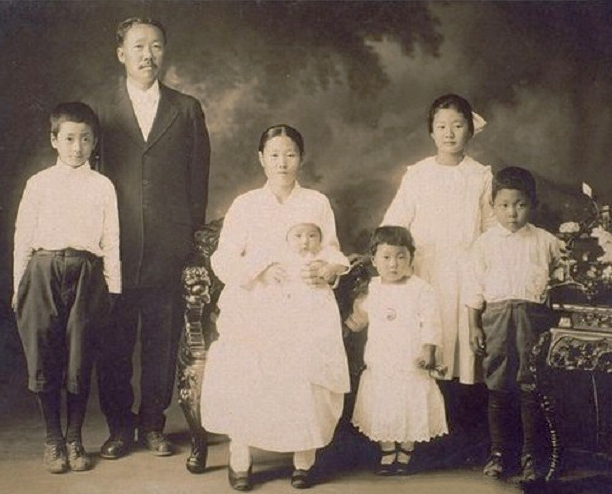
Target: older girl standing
<point>444,201</point>
<point>282,411</point>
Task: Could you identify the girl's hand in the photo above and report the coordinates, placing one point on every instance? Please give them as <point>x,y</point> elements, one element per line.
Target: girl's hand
<point>273,274</point>
<point>427,359</point>
<point>477,341</point>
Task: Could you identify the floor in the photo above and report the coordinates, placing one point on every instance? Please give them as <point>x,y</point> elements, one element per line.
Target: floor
<point>345,466</point>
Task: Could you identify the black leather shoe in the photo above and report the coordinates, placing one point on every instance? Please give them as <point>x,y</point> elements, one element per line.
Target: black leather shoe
<point>301,479</point>
<point>240,481</point>
<point>158,443</point>
<point>115,447</point>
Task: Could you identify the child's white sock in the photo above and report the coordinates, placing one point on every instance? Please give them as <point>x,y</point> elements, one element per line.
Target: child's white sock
<point>405,446</point>
<point>386,447</point>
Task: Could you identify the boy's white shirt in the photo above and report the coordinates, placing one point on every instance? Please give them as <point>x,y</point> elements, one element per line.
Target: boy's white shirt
<point>506,265</point>
<point>64,207</point>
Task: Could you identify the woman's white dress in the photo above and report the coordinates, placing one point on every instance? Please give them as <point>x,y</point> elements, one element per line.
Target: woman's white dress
<point>260,386</point>
<point>397,400</point>
<point>446,208</point>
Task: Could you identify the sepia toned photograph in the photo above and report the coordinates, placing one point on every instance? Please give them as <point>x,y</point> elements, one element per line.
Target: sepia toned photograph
<point>351,246</point>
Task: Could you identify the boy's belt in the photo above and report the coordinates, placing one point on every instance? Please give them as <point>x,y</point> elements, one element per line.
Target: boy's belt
<point>85,254</point>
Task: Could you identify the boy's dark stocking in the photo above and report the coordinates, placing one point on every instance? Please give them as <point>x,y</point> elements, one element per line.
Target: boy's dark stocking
<point>500,420</point>
<point>76,405</point>
<point>51,406</point>
<point>531,418</point>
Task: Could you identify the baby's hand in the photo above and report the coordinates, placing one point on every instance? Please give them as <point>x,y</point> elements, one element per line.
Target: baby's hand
<point>427,358</point>
<point>273,274</point>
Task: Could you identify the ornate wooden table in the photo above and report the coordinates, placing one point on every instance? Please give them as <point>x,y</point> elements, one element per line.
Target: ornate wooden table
<point>572,367</point>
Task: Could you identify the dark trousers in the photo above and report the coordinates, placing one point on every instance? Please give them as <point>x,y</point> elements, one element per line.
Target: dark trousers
<point>62,304</point>
<point>158,312</point>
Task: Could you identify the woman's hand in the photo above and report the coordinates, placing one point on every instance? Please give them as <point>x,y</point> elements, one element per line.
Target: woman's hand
<point>273,274</point>
<point>319,273</point>
<point>427,358</point>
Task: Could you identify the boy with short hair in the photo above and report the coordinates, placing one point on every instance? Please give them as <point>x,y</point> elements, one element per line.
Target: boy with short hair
<point>511,264</point>
<point>66,262</point>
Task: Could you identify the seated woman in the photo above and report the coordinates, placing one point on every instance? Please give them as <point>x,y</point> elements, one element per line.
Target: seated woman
<point>259,394</point>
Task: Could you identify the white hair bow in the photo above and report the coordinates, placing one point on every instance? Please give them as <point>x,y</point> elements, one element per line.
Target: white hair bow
<point>479,123</point>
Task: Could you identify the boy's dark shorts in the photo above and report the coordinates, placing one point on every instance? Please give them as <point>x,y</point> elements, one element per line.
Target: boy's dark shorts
<point>62,303</point>
<point>512,328</point>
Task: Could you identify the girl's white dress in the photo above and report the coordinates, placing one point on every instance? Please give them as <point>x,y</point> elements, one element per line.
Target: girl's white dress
<point>446,208</point>
<point>260,386</point>
<point>396,400</point>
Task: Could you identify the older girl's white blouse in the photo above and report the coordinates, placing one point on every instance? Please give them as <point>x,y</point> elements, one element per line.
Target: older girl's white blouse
<point>443,206</point>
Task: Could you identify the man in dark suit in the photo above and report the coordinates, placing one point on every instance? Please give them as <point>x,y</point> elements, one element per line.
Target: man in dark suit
<point>154,146</point>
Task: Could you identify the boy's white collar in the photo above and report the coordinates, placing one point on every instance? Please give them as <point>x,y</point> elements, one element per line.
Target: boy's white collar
<point>64,166</point>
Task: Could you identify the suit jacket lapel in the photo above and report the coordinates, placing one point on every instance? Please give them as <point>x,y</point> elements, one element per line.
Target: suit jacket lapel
<point>166,113</point>
<point>127,117</point>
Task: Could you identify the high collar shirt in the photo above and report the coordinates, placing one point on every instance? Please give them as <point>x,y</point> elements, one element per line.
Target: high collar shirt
<point>145,105</point>
<point>255,230</point>
<point>64,207</point>
<point>511,266</point>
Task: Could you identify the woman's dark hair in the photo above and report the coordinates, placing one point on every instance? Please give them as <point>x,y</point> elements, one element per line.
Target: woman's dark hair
<point>515,178</point>
<point>392,235</point>
<point>456,103</point>
<point>124,26</point>
<point>282,130</point>
<point>74,111</point>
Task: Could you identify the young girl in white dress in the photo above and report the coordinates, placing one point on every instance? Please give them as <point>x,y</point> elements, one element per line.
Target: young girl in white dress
<point>398,401</point>
<point>261,394</point>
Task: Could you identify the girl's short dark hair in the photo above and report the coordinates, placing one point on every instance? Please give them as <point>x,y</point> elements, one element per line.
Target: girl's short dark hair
<point>124,26</point>
<point>515,178</point>
<point>455,102</point>
<point>392,235</point>
<point>282,130</point>
<point>74,111</point>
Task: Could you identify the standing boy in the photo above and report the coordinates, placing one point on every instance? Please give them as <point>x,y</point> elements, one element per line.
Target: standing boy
<point>66,261</point>
<point>155,148</point>
<point>511,266</point>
